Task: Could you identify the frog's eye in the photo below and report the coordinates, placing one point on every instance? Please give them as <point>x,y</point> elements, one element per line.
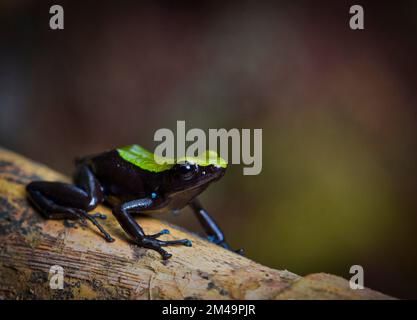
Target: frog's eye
<point>186,171</point>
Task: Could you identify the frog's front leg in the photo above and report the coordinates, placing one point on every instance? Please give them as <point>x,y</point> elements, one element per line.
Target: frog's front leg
<point>123,214</point>
<point>213,231</point>
<point>57,200</point>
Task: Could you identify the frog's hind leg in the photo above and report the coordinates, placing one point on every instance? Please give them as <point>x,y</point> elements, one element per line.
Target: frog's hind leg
<point>57,200</point>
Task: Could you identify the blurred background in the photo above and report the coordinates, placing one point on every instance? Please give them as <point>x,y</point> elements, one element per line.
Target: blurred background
<point>337,108</point>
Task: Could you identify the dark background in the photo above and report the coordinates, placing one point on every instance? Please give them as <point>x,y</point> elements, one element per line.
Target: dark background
<point>337,109</point>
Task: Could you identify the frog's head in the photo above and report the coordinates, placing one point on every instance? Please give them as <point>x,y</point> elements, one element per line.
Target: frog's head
<point>196,173</point>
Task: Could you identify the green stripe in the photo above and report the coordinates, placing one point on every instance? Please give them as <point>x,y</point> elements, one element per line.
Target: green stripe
<point>145,160</point>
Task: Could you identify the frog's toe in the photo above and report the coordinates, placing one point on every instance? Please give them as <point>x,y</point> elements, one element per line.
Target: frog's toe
<point>98,215</point>
<point>240,251</point>
<point>188,243</point>
<point>184,242</point>
<point>155,244</point>
<point>212,239</point>
<point>160,233</point>
<point>166,255</point>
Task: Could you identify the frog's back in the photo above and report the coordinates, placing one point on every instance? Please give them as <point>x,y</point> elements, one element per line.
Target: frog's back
<point>121,180</point>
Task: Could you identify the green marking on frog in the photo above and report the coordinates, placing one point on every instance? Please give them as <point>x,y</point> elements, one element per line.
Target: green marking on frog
<point>146,160</point>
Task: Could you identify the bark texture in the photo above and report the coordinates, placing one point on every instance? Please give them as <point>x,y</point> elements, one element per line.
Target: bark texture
<point>95,269</point>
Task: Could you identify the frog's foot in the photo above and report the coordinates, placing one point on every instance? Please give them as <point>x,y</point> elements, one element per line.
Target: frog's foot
<point>83,216</point>
<point>151,242</point>
<point>225,245</point>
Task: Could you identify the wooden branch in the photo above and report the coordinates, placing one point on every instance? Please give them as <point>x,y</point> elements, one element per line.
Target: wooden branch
<point>95,269</point>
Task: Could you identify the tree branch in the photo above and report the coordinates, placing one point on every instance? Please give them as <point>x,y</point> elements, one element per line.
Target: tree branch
<point>95,269</point>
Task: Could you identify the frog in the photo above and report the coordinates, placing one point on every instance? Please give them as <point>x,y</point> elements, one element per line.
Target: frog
<point>132,180</point>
